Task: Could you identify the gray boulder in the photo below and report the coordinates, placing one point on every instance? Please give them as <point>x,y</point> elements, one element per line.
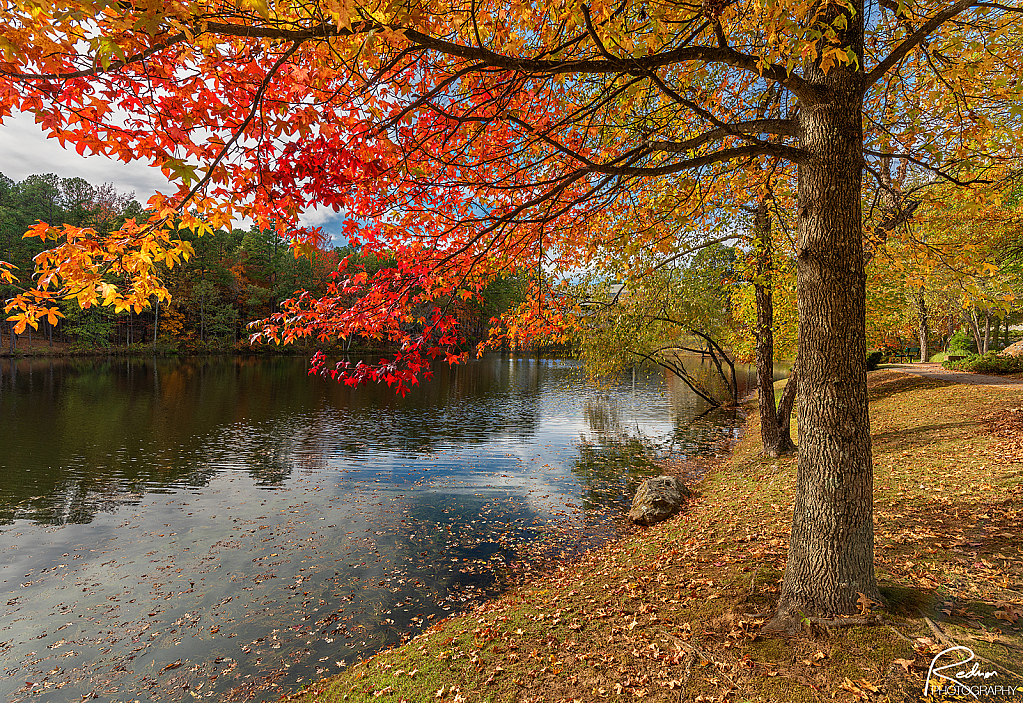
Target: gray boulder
<point>658,499</point>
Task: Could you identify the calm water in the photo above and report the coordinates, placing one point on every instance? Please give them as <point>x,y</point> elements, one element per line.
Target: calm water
<point>231,528</point>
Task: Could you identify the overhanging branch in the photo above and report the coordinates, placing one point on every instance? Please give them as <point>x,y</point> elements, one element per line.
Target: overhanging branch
<point>743,130</point>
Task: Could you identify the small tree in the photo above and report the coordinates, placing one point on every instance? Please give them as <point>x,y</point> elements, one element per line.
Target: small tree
<point>668,318</point>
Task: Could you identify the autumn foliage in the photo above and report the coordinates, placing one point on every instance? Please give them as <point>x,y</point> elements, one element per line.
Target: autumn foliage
<point>464,142</point>
<point>444,150</point>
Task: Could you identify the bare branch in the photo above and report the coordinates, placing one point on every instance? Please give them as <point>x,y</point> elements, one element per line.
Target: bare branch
<point>703,245</point>
<point>924,165</point>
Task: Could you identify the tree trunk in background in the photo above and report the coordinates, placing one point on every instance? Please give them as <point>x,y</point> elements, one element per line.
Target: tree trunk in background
<point>831,551</point>
<point>774,423</point>
<point>987,331</point>
<point>973,322</point>
<point>921,314</point>
<point>788,400</point>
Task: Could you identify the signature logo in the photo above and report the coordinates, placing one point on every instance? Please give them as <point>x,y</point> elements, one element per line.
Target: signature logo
<point>955,678</point>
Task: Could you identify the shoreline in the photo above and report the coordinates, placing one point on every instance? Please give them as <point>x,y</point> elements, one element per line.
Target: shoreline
<point>144,351</point>
<point>662,614</point>
<point>691,471</point>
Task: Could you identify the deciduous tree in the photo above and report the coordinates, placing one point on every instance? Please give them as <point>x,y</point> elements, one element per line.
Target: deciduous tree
<point>465,139</point>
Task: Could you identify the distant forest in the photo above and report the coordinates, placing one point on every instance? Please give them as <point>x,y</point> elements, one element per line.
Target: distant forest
<point>234,277</point>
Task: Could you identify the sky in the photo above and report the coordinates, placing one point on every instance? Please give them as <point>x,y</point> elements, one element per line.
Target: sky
<point>25,150</point>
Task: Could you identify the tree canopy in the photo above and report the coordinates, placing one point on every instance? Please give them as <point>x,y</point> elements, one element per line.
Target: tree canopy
<point>467,140</point>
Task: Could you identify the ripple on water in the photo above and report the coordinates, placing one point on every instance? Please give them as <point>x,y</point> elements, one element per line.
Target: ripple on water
<point>232,528</point>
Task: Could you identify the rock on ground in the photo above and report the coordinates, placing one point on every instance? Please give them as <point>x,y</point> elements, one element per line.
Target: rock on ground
<point>1014,349</point>
<point>658,499</point>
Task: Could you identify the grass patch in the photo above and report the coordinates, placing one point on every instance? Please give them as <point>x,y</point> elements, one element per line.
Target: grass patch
<point>673,612</point>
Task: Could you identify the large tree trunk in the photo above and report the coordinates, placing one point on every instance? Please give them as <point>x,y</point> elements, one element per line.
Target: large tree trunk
<point>831,552</point>
<point>774,427</point>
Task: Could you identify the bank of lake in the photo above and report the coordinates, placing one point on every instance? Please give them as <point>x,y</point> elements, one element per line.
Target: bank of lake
<point>673,612</point>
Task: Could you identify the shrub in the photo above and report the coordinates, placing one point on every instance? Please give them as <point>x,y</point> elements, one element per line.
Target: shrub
<point>962,342</point>
<point>988,363</point>
<point>873,359</point>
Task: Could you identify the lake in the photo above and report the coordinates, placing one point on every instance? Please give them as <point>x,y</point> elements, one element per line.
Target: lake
<point>232,528</point>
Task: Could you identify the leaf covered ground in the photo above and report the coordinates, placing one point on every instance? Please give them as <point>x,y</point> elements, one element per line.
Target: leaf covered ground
<point>673,612</point>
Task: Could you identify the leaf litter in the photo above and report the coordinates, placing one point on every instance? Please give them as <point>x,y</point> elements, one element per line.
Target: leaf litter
<point>673,613</point>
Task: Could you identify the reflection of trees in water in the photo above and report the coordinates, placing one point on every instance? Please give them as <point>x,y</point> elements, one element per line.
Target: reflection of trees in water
<point>611,471</point>
<point>89,435</point>
<point>469,403</point>
<point>85,435</point>
<point>604,417</point>
<point>616,456</point>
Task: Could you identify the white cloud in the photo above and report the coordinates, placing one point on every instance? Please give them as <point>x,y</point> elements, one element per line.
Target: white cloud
<point>25,150</point>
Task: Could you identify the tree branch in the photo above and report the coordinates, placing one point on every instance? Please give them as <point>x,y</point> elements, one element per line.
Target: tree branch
<point>114,65</point>
<point>914,40</point>
<point>926,166</point>
<point>787,128</point>
<point>257,100</point>
<point>684,375</point>
<point>592,66</point>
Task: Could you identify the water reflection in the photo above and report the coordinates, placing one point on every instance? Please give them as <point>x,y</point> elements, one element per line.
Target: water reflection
<point>231,528</point>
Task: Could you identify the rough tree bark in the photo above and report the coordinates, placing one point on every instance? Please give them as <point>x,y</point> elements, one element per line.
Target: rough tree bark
<point>788,400</point>
<point>831,551</point>
<point>775,437</point>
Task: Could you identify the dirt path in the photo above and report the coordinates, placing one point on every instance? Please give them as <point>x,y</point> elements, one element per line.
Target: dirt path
<point>935,371</point>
